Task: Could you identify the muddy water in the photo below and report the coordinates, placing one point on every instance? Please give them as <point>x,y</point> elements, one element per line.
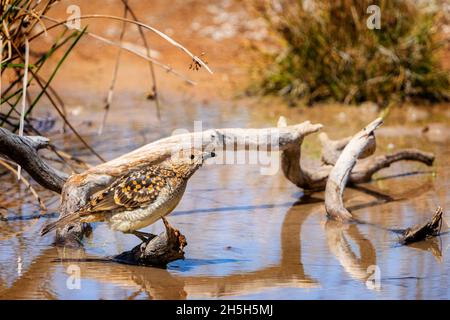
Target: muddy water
<point>249,235</point>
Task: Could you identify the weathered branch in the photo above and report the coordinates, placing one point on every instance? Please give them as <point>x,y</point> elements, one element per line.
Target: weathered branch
<point>365,169</point>
<point>315,179</point>
<point>293,170</point>
<point>79,187</point>
<point>332,149</point>
<point>340,173</point>
<point>425,230</point>
<point>24,151</point>
<point>159,251</point>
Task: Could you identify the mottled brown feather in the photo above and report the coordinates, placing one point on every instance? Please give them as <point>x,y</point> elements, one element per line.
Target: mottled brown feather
<point>129,192</point>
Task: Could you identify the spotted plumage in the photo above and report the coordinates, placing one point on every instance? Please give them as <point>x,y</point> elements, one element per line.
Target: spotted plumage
<point>139,197</point>
<point>135,190</point>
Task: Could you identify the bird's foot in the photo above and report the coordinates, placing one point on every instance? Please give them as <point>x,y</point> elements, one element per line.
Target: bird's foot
<point>144,236</point>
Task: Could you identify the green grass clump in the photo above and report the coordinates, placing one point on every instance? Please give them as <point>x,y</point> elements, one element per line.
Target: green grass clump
<point>327,52</point>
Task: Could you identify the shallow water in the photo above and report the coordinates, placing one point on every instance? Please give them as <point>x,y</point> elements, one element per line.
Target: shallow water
<point>249,236</point>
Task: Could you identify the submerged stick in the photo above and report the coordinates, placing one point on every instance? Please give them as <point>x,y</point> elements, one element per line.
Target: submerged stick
<point>425,230</point>
<point>24,96</point>
<point>158,251</point>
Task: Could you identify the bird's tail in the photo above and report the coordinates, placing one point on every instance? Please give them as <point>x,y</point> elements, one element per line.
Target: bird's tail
<point>71,217</point>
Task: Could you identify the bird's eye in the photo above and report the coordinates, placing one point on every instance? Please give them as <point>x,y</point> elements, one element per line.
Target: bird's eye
<point>192,157</point>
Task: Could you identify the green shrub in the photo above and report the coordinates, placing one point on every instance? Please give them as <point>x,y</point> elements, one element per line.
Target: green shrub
<point>329,53</point>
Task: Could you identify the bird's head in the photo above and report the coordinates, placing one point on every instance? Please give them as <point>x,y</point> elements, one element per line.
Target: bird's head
<point>186,162</point>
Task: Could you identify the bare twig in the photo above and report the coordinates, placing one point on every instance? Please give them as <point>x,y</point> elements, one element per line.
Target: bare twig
<point>155,94</point>
<point>26,183</point>
<point>114,77</point>
<point>147,57</point>
<point>161,34</point>
<point>43,88</point>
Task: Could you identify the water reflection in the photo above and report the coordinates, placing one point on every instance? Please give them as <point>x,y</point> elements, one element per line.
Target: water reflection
<point>161,283</point>
<point>433,245</point>
<point>337,235</point>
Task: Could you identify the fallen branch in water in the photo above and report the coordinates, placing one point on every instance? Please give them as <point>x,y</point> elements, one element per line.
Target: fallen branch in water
<point>338,160</point>
<point>158,251</point>
<point>332,149</point>
<point>315,179</point>
<point>340,173</point>
<point>365,169</point>
<point>79,187</point>
<point>425,230</point>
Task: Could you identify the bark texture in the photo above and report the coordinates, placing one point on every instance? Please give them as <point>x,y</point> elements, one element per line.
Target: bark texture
<point>159,251</point>
<point>425,230</point>
<point>24,151</point>
<point>340,173</point>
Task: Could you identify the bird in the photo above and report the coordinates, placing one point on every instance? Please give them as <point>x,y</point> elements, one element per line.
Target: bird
<point>140,197</point>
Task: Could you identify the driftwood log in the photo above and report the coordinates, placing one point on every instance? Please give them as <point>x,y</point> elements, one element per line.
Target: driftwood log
<point>315,179</point>
<point>344,154</point>
<point>360,144</point>
<point>76,189</point>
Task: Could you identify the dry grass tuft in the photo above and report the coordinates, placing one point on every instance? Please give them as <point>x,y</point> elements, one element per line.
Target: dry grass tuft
<point>327,52</point>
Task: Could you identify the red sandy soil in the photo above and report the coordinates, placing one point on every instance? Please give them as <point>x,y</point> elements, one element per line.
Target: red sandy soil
<point>194,24</point>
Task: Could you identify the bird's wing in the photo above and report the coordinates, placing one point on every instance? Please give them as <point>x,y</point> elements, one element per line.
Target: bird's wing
<point>138,189</point>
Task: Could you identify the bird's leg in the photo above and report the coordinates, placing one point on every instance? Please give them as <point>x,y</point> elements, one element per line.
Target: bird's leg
<point>144,236</point>
<point>166,223</point>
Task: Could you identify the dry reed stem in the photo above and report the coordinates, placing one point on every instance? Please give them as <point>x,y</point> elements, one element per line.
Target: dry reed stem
<point>25,182</point>
<point>150,63</point>
<point>24,95</point>
<point>39,82</point>
<point>138,23</point>
<point>166,68</point>
<point>114,77</point>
